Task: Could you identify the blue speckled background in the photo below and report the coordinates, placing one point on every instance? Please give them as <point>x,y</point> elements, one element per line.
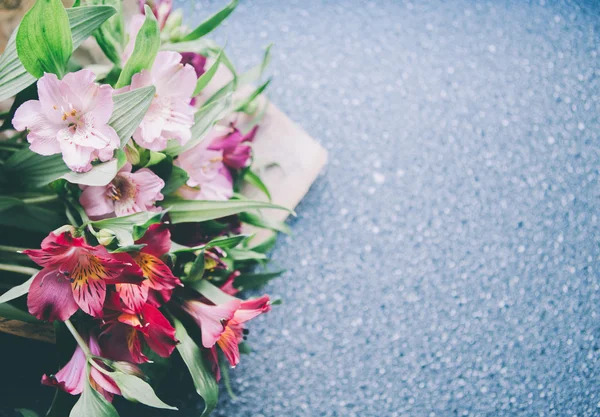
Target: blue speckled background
<point>446,262</point>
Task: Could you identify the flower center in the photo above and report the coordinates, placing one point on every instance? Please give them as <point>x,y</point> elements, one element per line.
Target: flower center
<point>120,188</point>
<point>73,119</point>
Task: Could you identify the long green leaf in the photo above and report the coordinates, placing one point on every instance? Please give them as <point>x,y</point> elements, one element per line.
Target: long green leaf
<point>265,223</point>
<point>129,110</point>
<point>124,226</point>
<point>210,291</point>
<point>211,23</point>
<point>146,47</point>
<point>8,202</point>
<point>16,291</point>
<point>92,404</point>
<point>14,77</point>
<point>199,367</point>
<point>137,390</point>
<point>254,180</point>
<point>111,35</point>
<point>11,312</point>
<point>182,211</point>
<point>44,42</point>
<point>208,75</point>
<point>254,281</point>
<point>32,218</point>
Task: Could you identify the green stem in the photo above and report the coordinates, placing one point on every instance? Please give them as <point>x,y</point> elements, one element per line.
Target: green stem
<point>78,338</point>
<point>19,269</point>
<point>16,249</point>
<point>40,199</point>
<point>8,149</point>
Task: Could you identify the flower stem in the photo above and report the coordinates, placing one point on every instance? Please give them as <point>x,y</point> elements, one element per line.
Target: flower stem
<point>16,249</point>
<point>40,199</point>
<point>18,269</point>
<point>78,338</point>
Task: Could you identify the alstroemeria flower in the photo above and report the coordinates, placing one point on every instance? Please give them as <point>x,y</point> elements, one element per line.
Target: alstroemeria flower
<point>170,115</point>
<point>75,275</point>
<point>195,60</point>
<point>127,193</point>
<point>211,318</point>
<point>158,276</point>
<point>209,178</point>
<point>234,329</point>
<point>228,287</point>
<point>71,378</point>
<point>126,331</point>
<point>71,117</point>
<point>234,144</point>
<point>134,26</point>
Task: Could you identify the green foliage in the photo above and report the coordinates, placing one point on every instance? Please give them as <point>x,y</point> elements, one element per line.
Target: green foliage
<point>146,47</point>
<point>183,211</point>
<point>129,111</point>
<point>111,35</point>
<point>199,367</point>
<point>254,281</point>
<point>92,404</point>
<point>16,291</point>
<point>137,390</point>
<point>44,42</point>
<point>211,23</point>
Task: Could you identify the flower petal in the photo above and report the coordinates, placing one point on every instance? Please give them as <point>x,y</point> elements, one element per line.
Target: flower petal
<point>210,318</point>
<point>50,297</point>
<point>228,342</point>
<point>160,335</point>
<point>133,296</point>
<point>96,202</point>
<point>71,378</point>
<point>157,240</point>
<point>158,273</point>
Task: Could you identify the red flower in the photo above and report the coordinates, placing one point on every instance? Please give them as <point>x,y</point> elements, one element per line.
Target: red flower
<point>159,277</point>
<point>75,275</point>
<point>71,378</point>
<point>125,332</point>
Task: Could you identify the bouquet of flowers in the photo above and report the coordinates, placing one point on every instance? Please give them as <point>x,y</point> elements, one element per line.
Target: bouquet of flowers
<point>120,198</point>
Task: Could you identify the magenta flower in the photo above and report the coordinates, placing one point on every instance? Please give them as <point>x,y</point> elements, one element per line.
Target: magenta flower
<point>170,115</point>
<point>71,378</point>
<point>75,275</point>
<point>211,318</point>
<point>235,147</point>
<point>71,117</point>
<point>195,60</point>
<point>209,178</point>
<point>127,193</point>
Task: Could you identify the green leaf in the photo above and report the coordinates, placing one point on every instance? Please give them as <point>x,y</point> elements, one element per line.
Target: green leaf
<point>265,223</point>
<point>111,35</point>
<point>183,211</point>
<point>146,47</point>
<point>267,245</point>
<point>199,367</point>
<point>14,77</point>
<point>203,47</point>
<point>245,104</point>
<point>13,313</point>
<point>210,291</point>
<point>131,248</point>
<point>211,23</point>
<point>228,242</point>
<point>100,174</point>
<point>204,119</point>
<point>27,413</point>
<point>44,42</point>
<point>137,390</point>
<point>16,291</point>
<point>8,202</point>
<point>92,404</point>
<point>197,270</point>
<point>150,158</point>
<point>224,366</point>
<point>254,281</point>
<point>129,111</point>
<point>208,75</point>
<point>176,179</point>
<point>32,218</point>
<point>254,180</point>
<point>123,227</point>
<point>244,348</point>
<point>245,255</point>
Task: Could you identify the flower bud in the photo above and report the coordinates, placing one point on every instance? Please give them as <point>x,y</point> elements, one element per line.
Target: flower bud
<point>132,153</point>
<point>105,236</point>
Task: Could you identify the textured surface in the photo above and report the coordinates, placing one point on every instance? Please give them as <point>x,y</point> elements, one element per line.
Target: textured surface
<point>447,261</point>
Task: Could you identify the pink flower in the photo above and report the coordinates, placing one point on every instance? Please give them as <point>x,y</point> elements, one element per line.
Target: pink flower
<point>210,318</point>
<point>135,24</point>
<point>234,144</point>
<point>207,173</point>
<point>159,281</point>
<point>127,193</point>
<point>233,333</point>
<point>71,378</point>
<point>75,276</point>
<point>170,115</point>
<point>71,117</point>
